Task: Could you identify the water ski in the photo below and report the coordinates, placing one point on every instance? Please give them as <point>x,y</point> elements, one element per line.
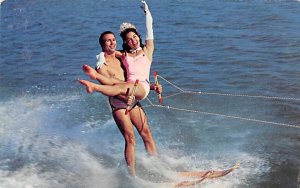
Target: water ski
<point>202,175</point>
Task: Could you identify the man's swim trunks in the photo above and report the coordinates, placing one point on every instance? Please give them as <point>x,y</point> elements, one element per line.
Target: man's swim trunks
<point>116,103</point>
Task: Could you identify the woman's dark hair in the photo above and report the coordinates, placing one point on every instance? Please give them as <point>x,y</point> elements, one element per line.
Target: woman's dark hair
<point>123,35</point>
<point>101,41</point>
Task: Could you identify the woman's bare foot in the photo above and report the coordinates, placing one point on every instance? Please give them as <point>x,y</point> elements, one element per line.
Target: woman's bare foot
<point>89,85</point>
<point>92,73</point>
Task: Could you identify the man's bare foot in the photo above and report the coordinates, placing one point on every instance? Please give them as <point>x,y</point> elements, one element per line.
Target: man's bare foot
<point>92,73</point>
<point>88,85</point>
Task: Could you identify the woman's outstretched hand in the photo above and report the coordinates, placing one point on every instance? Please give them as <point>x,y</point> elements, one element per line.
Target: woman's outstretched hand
<point>144,6</point>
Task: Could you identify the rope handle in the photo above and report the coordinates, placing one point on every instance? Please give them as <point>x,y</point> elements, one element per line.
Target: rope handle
<point>160,99</point>
<point>131,95</point>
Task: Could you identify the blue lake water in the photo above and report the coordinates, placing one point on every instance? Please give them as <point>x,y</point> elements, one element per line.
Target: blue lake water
<point>221,53</point>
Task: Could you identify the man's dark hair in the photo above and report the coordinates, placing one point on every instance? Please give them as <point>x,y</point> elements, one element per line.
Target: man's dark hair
<point>101,41</point>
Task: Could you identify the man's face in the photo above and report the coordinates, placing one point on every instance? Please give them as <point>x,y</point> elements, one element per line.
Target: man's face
<point>110,43</point>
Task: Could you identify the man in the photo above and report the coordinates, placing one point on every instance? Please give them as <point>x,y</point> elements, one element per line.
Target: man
<point>136,116</point>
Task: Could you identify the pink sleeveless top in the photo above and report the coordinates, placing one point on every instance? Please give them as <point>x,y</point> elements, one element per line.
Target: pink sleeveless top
<point>137,68</point>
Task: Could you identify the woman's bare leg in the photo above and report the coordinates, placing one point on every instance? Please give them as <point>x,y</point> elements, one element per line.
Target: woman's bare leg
<point>114,90</point>
<point>94,75</point>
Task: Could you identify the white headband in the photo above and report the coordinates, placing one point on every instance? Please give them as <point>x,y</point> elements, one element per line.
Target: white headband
<point>126,25</point>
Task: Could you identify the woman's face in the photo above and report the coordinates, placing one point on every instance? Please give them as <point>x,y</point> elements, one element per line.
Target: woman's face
<point>133,40</point>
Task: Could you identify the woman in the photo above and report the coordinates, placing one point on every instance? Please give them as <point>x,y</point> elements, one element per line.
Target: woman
<point>137,60</point>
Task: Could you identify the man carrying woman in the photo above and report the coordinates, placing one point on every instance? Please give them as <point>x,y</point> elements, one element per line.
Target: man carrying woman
<point>137,59</point>
<point>110,73</point>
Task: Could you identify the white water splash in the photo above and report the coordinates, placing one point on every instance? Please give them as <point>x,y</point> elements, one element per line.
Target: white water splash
<point>35,157</point>
<point>31,156</point>
<point>163,172</point>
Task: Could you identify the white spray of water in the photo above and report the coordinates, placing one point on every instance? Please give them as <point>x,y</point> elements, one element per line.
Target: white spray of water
<point>49,160</point>
<point>31,157</point>
<point>163,172</point>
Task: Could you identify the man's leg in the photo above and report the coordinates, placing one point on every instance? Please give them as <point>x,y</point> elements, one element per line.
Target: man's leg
<point>125,126</point>
<point>140,120</point>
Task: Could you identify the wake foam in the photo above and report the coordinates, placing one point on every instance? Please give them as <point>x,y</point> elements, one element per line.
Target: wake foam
<point>60,167</point>
<point>33,155</point>
<point>91,153</point>
<point>163,172</point>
